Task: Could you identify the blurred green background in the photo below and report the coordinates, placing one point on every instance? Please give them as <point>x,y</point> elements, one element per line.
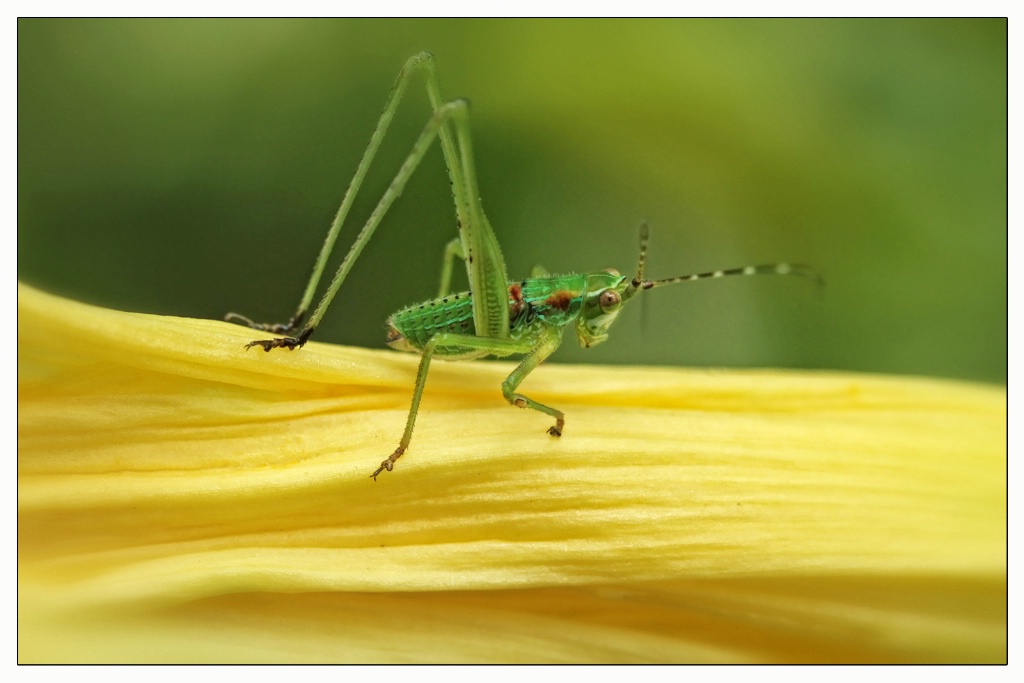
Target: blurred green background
<point>191,167</point>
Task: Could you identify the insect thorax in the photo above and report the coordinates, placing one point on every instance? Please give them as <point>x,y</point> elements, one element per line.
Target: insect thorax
<point>534,304</point>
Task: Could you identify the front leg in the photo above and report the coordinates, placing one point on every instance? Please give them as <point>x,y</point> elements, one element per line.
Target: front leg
<point>548,343</point>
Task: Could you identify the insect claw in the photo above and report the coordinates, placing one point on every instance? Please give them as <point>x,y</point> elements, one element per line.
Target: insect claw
<point>389,464</point>
<point>289,343</point>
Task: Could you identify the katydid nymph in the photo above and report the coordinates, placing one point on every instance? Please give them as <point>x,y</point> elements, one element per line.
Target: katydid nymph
<point>498,316</point>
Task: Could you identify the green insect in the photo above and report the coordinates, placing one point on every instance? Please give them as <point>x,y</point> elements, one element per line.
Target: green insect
<point>498,316</point>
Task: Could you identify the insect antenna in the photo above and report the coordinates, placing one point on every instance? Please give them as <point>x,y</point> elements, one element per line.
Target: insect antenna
<point>766,269</point>
<point>638,283</point>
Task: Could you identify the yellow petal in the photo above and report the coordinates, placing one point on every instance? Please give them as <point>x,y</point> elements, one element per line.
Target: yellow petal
<point>181,499</point>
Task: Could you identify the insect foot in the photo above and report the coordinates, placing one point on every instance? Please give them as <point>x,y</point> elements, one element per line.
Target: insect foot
<point>289,343</point>
<point>556,429</point>
<point>389,464</point>
<point>279,343</point>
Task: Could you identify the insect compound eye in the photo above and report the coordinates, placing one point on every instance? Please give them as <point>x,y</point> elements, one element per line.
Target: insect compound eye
<point>609,300</point>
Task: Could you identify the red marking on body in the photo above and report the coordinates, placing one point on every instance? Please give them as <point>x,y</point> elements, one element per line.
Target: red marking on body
<point>515,295</point>
<point>560,300</point>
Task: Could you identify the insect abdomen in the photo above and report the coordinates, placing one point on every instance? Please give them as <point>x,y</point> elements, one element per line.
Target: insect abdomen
<point>411,328</point>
